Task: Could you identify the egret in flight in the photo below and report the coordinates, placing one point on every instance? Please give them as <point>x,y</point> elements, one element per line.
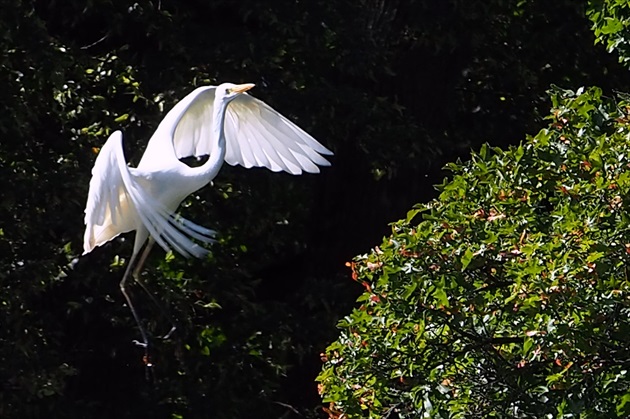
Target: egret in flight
<point>222,122</point>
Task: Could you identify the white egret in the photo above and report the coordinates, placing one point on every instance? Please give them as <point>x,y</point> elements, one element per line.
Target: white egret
<point>222,122</point>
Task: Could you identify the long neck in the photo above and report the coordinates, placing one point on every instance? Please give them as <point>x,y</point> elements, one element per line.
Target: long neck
<point>211,167</point>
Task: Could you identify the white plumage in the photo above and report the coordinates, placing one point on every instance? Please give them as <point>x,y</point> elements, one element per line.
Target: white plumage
<point>222,122</point>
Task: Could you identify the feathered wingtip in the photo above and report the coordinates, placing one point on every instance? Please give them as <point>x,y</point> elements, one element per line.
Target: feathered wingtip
<point>195,231</point>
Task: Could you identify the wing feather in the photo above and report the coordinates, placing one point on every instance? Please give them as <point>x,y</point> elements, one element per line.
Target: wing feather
<point>272,160</point>
<point>284,158</point>
<point>267,134</point>
<point>282,124</point>
<point>233,130</point>
<point>258,123</point>
<point>109,210</point>
<point>192,120</point>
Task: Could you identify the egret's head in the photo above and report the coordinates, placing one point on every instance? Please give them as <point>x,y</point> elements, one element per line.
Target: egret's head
<point>228,91</point>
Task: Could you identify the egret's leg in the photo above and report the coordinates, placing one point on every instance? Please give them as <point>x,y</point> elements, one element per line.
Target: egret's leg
<point>143,333</point>
<point>136,277</point>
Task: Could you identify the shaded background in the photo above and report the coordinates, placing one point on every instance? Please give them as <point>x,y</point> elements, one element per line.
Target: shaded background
<point>396,89</point>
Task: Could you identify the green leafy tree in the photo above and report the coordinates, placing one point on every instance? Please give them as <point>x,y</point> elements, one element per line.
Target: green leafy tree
<point>611,25</point>
<point>508,295</point>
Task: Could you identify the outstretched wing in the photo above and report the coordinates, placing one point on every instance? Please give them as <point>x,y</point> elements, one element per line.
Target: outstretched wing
<point>256,134</point>
<point>109,210</point>
<point>118,202</point>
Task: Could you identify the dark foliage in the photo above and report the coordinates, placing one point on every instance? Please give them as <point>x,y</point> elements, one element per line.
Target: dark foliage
<point>396,89</point>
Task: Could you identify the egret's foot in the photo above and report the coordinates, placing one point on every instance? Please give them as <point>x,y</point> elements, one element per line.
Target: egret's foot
<point>147,362</point>
<point>168,335</point>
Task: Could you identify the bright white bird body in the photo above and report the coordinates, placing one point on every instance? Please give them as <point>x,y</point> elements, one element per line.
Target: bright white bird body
<point>222,122</point>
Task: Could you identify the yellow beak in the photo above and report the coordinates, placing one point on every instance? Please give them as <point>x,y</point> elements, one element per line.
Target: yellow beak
<point>240,88</point>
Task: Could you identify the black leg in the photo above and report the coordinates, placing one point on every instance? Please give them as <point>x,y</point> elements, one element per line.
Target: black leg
<point>143,333</point>
<point>136,277</point>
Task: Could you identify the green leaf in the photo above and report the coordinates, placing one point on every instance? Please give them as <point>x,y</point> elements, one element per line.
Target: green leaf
<point>466,258</point>
<point>122,118</point>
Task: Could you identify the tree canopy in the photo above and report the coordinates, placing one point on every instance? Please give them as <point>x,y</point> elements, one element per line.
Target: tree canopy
<point>611,19</point>
<point>510,297</point>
